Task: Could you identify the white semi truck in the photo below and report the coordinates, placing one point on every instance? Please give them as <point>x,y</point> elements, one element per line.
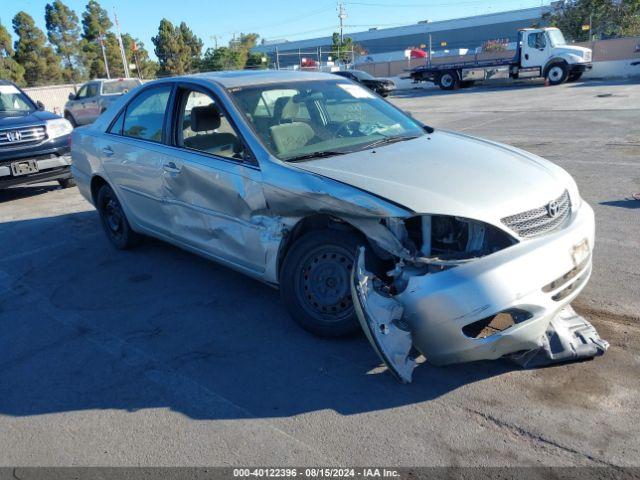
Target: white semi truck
<point>540,52</point>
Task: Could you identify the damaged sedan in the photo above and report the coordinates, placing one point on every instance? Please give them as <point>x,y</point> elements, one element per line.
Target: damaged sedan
<point>436,244</point>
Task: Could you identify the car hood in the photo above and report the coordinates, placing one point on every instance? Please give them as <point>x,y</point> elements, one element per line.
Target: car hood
<point>572,50</point>
<point>33,118</point>
<point>451,174</point>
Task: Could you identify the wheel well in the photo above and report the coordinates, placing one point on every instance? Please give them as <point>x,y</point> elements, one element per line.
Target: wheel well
<point>308,224</point>
<point>551,63</point>
<point>96,184</point>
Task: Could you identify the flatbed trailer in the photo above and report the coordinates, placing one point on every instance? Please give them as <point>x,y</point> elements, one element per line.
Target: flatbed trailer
<point>540,52</point>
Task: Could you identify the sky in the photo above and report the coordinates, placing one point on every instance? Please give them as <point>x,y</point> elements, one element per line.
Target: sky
<point>217,20</point>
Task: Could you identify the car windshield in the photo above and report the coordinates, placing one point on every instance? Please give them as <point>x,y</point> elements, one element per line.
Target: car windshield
<point>119,86</point>
<point>13,101</point>
<point>360,75</point>
<point>556,37</point>
<point>307,119</point>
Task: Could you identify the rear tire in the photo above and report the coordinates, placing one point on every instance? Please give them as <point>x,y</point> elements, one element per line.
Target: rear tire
<point>315,282</point>
<point>114,221</point>
<point>557,73</point>
<point>67,182</point>
<point>449,80</point>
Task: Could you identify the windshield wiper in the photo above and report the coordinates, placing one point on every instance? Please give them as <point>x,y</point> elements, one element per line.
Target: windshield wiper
<point>310,156</point>
<point>388,141</point>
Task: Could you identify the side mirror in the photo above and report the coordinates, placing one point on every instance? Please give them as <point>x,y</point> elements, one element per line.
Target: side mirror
<point>40,105</point>
<point>72,96</point>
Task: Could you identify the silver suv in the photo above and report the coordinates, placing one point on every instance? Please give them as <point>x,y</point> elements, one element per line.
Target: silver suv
<point>94,97</point>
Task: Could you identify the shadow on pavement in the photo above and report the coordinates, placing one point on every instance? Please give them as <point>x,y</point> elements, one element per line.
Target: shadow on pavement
<point>630,203</point>
<point>88,327</point>
<point>15,193</point>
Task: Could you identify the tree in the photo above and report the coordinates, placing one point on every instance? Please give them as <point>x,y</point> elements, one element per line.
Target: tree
<point>63,32</point>
<point>95,21</point>
<point>342,49</point>
<point>40,62</point>
<point>174,55</point>
<point>9,68</point>
<point>194,44</point>
<point>256,61</point>
<point>139,56</point>
<point>223,58</point>
<point>607,18</point>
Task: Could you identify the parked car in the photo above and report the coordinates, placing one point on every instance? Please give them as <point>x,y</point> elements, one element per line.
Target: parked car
<point>34,144</point>
<point>434,242</point>
<point>94,97</point>
<point>381,86</point>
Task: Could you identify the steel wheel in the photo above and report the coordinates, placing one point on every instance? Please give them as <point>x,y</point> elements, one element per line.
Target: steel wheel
<point>323,282</point>
<point>114,221</point>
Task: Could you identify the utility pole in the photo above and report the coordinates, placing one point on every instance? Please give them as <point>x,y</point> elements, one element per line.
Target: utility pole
<point>104,55</point>
<point>215,40</point>
<point>125,63</point>
<point>342,14</point>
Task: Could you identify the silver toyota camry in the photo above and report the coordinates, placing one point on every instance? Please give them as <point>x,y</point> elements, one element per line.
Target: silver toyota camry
<point>436,244</point>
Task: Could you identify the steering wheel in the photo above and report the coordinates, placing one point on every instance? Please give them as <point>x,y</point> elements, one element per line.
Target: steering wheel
<point>349,128</point>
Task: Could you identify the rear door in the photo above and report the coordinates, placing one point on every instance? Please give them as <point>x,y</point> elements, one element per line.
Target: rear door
<point>77,105</point>
<point>134,154</point>
<point>213,186</point>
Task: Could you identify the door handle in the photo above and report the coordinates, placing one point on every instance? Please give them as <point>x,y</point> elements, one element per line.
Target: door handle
<point>107,151</point>
<point>171,167</point>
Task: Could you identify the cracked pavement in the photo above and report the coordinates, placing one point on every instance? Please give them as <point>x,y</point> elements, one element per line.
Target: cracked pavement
<point>158,357</point>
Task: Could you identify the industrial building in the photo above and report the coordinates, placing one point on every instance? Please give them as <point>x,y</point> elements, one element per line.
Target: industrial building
<point>383,44</point>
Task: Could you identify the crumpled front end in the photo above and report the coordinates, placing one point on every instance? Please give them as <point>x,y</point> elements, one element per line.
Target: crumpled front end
<point>513,302</point>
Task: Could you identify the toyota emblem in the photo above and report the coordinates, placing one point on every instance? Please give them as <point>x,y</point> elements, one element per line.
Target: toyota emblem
<point>14,136</point>
<point>553,208</point>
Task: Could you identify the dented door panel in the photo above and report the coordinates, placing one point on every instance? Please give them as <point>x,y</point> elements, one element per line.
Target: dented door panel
<point>215,205</point>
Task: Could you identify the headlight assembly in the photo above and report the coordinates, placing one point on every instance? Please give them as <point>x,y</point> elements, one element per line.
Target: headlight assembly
<point>58,127</point>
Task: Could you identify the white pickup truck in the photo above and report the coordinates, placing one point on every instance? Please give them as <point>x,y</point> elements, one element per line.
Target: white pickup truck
<point>540,52</point>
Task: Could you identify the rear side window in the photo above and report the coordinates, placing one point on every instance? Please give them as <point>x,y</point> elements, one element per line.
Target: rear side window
<point>145,114</point>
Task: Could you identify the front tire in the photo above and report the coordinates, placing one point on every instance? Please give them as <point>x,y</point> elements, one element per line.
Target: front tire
<point>114,221</point>
<point>315,282</point>
<point>67,182</point>
<point>557,73</point>
<point>70,119</point>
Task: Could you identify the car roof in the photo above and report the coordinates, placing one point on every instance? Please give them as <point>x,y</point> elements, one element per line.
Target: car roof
<point>245,78</point>
<point>5,82</point>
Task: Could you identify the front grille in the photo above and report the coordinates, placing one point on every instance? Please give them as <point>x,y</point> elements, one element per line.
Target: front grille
<point>20,137</point>
<point>539,220</point>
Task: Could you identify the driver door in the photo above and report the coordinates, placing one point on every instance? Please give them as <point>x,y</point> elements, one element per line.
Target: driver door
<point>535,49</point>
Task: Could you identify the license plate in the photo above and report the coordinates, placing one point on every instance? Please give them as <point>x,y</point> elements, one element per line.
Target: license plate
<point>580,252</point>
<point>24,168</point>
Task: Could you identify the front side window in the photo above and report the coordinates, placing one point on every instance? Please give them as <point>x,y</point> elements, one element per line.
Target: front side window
<point>82,93</point>
<point>145,114</point>
<point>92,90</point>
<point>537,40</point>
<point>312,118</point>
<point>13,101</point>
<point>203,126</point>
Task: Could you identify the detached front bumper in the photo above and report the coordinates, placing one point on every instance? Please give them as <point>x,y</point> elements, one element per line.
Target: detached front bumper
<point>450,316</point>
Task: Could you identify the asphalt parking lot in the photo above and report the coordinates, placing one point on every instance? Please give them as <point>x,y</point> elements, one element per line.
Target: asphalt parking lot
<point>157,357</point>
